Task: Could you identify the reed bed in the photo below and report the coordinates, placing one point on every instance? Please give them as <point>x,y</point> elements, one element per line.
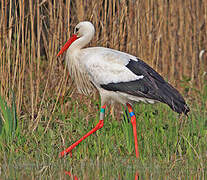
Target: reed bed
<point>171,36</point>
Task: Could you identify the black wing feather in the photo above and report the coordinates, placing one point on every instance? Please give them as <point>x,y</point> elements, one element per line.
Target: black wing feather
<point>152,86</point>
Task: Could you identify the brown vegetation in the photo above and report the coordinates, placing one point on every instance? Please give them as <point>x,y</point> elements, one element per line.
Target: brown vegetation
<point>171,36</point>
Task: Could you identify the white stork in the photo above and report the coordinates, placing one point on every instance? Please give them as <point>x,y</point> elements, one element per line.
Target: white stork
<point>118,76</point>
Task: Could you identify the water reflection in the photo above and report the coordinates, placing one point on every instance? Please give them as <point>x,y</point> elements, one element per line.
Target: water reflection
<point>102,169</point>
<point>106,168</point>
<point>68,173</point>
<point>136,175</point>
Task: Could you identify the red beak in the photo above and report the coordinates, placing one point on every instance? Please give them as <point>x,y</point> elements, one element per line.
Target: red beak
<point>67,44</point>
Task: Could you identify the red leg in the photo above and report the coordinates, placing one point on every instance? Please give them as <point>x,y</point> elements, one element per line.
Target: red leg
<point>133,121</point>
<point>98,126</point>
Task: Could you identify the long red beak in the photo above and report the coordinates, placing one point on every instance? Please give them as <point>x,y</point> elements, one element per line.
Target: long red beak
<point>67,44</point>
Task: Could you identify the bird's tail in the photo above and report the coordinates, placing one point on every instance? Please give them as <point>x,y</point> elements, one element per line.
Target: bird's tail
<point>174,99</point>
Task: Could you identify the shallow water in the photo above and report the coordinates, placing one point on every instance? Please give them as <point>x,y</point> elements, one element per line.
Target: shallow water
<point>97,169</point>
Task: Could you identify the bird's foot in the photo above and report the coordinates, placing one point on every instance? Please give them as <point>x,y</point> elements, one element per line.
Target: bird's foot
<point>65,152</point>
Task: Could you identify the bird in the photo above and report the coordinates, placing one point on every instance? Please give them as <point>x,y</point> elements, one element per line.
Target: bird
<point>118,77</point>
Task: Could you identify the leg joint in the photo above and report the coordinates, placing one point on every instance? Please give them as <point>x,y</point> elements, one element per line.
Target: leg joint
<point>100,124</point>
<point>133,119</point>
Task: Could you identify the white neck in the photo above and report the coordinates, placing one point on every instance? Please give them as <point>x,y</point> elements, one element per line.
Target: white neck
<point>81,42</point>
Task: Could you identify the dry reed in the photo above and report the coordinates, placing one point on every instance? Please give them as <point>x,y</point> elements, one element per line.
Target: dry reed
<point>169,35</point>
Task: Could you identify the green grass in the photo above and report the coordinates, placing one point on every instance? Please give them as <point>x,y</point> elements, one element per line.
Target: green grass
<point>8,123</point>
<point>170,146</point>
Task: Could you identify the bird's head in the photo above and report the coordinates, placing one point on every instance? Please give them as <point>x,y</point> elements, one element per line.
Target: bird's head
<point>83,29</point>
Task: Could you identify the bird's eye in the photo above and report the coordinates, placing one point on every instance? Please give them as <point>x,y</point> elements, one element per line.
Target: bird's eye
<point>76,30</point>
